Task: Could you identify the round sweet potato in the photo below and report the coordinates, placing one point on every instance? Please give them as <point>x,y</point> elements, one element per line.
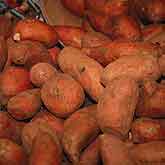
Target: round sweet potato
<point>25,104</point>
<point>41,72</point>
<point>62,95</point>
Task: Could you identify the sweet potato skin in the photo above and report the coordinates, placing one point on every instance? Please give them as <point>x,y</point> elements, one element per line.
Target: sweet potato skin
<point>110,146</point>
<point>84,69</point>
<point>80,129</point>
<point>45,150</point>
<point>25,104</point>
<point>57,124</point>
<point>111,51</point>
<point>152,105</point>
<point>76,7</point>
<point>67,95</point>
<point>27,53</point>
<point>69,35</point>
<point>11,153</point>
<point>35,30</point>
<point>31,130</point>
<point>10,128</point>
<point>13,80</point>
<point>111,8</point>
<point>91,155</point>
<point>146,130</point>
<point>53,54</point>
<point>151,11</point>
<point>151,152</point>
<point>41,72</point>
<point>117,105</point>
<point>137,67</point>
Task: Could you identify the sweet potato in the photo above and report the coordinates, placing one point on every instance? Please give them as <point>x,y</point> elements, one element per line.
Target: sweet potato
<point>70,35</point>
<point>117,105</point>
<point>6,26</point>
<point>146,130</point>
<point>162,64</point>
<point>62,95</point>
<point>111,8</point>
<point>138,67</point>
<point>25,104</point>
<point>27,53</point>
<point>151,103</point>
<point>151,11</point>
<point>35,30</point>
<point>11,153</point>
<point>151,152</point>
<point>80,129</point>
<point>83,69</point>
<point>3,53</point>
<point>10,128</point>
<point>41,72</point>
<point>53,54</point>
<point>13,81</point>
<point>56,123</point>
<point>31,130</point>
<point>45,150</point>
<point>114,151</point>
<point>91,155</point>
<point>110,52</point>
<point>121,27</point>
<point>77,37</point>
<point>77,7</point>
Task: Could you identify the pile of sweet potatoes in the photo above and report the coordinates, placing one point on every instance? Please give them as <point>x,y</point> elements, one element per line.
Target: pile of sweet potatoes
<point>99,99</point>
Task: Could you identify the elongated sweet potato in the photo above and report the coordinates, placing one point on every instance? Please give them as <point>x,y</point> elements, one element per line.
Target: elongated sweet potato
<point>108,7</point>
<point>45,150</point>
<point>11,153</point>
<point>152,105</point>
<point>110,52</point>
<point>149,153</point>
<point>146,130</point>
<point>148,11</point>
<point>83,69</point>
<point>62,95</point>
<point>41,72</point>
<point>77,7</point>
<point>77,37</point>
<point>13,81</point>
<point>35,30</point>
<point>122,27</point>
<point>117,105</point>
<point>55,123</point>
<point>27,53</point>
<point>114,151</point>
<point>25,104</point>
<point>31,130</point>
<point>138,67</point>
<point>80,129</point>
<point>91,155</point>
